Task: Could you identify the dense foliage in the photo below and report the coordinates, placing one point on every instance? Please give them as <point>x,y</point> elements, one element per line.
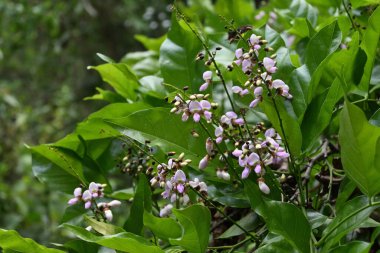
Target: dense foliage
<point>244,129</point>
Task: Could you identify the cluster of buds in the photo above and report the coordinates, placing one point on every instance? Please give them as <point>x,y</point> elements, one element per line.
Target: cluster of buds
<point>195,107</point>
<point>134,162</point>
<point>264,151</point>
<point>228,126</point>
<point>95,190</point>
<point>173,165</point>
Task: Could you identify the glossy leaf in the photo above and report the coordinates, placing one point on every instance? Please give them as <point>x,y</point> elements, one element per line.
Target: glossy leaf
<point>360,149</point>
<point>349,217</point>
<point>353,247</point>
<point>163,228</point>
<point>278,244</point>
<point>281,218</point>
<point>125,242</point>
<point>195,221</point>
<point>11,240</point>
<point>322,44</point>
<point>120,77</point>
<point>141,201</point>
<point>177,57</point>
<point>174,135</point>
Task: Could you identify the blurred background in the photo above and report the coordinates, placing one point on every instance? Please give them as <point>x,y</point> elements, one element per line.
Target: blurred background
<point>45,48</point>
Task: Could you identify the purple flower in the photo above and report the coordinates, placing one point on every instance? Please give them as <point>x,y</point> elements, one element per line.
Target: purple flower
<point>204,86</point>
<point>255,102</point>
<point>255,41</point>
<point>258,91</point>
<point>239,56</point>
<point>209,146</point>
<point>86,197</point>
<point>245,173</point>
<point>282,88</point>
<point>269,65</point>
<point>239,90</point>
<point>166,211</point>
<point>207,76</point>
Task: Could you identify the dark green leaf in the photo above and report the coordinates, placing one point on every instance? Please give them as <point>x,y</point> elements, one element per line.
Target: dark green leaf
<point>360,149</point>
<point>177,57</point>
<point>375,119</point>
<point>247,222</point>
<point>282,218</point>
<point>141,201</point>
<point>195,221</point>
<point>153,44</point>
<point>322,44</point>
<point>80,246</point>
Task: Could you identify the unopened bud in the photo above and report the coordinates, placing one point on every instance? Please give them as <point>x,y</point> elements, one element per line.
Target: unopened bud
<point>263,186</point>
<point>193,97</point>
<point>174,109</point>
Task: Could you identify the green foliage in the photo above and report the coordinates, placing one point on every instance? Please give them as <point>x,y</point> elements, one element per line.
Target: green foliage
<point>279,175</point>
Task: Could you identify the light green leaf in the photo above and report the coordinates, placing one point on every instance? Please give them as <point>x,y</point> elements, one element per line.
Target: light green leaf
<point>103,228</point>
<point>125,242</point>
<point>195,221</point>
<point>360,149</point>
<point>153,44</point>
<point>11,240</point>
<point>361,3</point>
<point>369,45</point>
<point>120,77</point>
<point>163,228</point>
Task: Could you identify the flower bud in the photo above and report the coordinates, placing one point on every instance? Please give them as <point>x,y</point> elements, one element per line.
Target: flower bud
<point>263,186</point>
<point>108,214</point>
<point>203,163</point>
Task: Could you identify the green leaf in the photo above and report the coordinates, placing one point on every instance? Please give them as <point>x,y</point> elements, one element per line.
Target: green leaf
<point>281,218</point>
<point>174,135</point>
<point>57,168</point>
<point>120,77</point>
<point>375,118</point>
<point>106,95</point>
<point>141,201</point>
<point>322,44</point>
<point>153,44</point>
<point>300,8</point>
<point>195,221</point>
<point>11,240</point>
<point>288,120</point>
<point>349,217</point>
<point>247,222</point>
<point>360,149</point>
<point>80,246</point>
<point>353,247</point>
<point>369,45</point>
<point>242,11</point>
<point>298,85</point>
<point>103,228</point>
<point>125,242</point>
<point>163,228</point>
<point>278,244</point>
<point>361,3</point>
<point>319,112</point>
<point>105,58</point>
<point>177,57</point>
<point>274,38</point>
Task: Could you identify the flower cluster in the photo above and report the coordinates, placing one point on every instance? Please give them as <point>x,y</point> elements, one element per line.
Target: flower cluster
<point>195,107</point>
<point>228,126</point>
<point>94,191</point>
<point>264,151</point>
<point>251,64</point>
